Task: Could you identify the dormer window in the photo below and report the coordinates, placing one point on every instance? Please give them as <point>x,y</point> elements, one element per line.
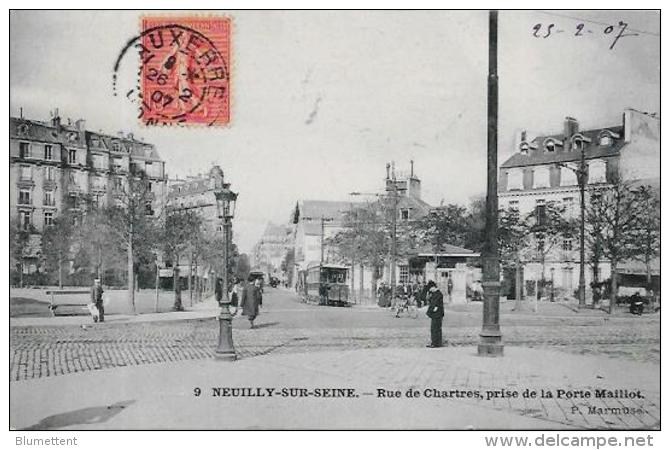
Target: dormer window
<point>606,138</point>
<point>550,144</point>
<point>579,141</point>
<point>523,148</point>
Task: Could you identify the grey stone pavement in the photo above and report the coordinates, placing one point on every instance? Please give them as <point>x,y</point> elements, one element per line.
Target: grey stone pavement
<point>141,371</point>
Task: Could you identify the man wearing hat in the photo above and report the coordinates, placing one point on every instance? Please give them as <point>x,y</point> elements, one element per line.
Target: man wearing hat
<point>96,298</point>
<point>436,312</point>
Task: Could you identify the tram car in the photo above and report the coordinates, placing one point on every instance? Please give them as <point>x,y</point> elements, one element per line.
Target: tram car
<point>326,284</point>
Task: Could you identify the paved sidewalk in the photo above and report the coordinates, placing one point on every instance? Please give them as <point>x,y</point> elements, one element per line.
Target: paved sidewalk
<point>208,308</point>
<point>161,396</point>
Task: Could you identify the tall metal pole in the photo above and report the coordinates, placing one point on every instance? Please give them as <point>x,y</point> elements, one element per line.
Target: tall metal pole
<point>582,207</point>
<point>394,235</point>
<point>323,234</point>
<point>225,350</point>
<point>490,342</point>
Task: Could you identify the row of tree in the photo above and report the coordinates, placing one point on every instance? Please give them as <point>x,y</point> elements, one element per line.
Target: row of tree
<point>127,235</point>
<point>622,222</point>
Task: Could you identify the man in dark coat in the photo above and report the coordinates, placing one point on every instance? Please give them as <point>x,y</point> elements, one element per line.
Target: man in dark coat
<point>96,298</point>
<point>436,312</point>
<point>250,301</point>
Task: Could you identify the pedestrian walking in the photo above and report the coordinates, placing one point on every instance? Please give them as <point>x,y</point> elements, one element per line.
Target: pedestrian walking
<point>251,300</point>
<point>450,287</point>
<point>436,312</point>
<point>424,294</point>
<point>236,292</point>
<point>96,300</point>
<point>218,290</point>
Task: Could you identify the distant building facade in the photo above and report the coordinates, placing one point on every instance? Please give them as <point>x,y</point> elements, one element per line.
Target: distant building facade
<point>270,251</point>
<point>317,220</point>
<point>56,166</point>
<point>196,193</point>
<point>540,172</point>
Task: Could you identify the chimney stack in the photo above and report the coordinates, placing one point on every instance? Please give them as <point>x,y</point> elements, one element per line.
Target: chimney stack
<point>411,168</point>
<point>570,127</point>
<point>55,120</point>
<point>80,124</point>
<point>388,170</point>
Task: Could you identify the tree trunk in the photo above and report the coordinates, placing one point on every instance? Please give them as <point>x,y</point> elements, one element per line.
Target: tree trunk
<point>177,287</point>
<point>99,264</point>
<point>647,263</point>
<point>361,284</point>
<point>373,285</point>
<point>60,270</point>
<point>197,282</point>
<point>613,286</point>
<point>517,283</point>
<point>131,276</point>
<point>352,295</point>
<point>156,286</point>
<point>190,281</point>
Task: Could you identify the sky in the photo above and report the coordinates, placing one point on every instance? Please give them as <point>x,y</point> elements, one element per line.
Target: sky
<point>321,101</point>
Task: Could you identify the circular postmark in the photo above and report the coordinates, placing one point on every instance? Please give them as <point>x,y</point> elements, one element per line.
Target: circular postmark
<point>183,73</point>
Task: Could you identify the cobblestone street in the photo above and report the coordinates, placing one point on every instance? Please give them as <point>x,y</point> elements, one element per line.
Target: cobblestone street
<point>287,326</point>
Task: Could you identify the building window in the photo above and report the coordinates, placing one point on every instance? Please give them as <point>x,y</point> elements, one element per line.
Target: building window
<point>523,148</point>
<point>540,212</point>
<point>567,245</point>
<point>49,173</point>
<point>98,161</point>
<point>568,176</point>
<point>514,204</point>
<point>404,214</point>
<point>569,204</point>
<point>72,156</point>
<point>550,147</point>
<point>541,177</point>
<point>116,147</point>
<point>24,150</point>
<point>404,274</point>
<point>48,219</point>
<point>118,183</point>
<point>24,197</point>
<point>514,179</point>
<point>26,173</point>
<point>597,171</point>
<point>118,164</point>
<point>26,219</point>
<point>49,198</point>
<point>605,140</point>
<point>48,152</point>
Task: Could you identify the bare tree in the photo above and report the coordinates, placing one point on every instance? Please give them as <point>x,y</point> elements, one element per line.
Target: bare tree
<point>180,230</point>
<point>613,220</point>
<point>512,241</point>
<point>130,220</point>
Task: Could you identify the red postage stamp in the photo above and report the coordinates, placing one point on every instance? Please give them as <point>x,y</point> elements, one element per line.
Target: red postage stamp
<point>185,70</point>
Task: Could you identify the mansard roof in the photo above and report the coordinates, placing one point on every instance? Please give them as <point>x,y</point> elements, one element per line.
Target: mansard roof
<point>563,154</point>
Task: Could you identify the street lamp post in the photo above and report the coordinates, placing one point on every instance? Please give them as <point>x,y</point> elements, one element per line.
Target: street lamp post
<point>490,342</point>
<point>225,202</point>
